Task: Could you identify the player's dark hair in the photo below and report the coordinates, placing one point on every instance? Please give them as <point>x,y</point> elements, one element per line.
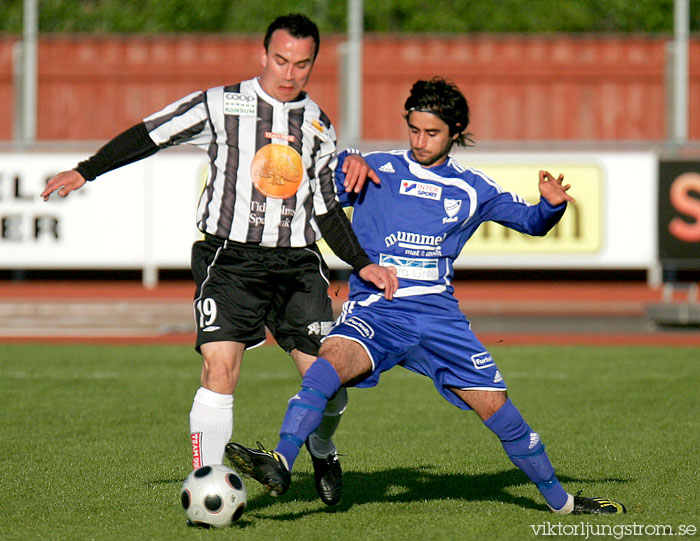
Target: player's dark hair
<point>445,100</point>
<point>299,26</point>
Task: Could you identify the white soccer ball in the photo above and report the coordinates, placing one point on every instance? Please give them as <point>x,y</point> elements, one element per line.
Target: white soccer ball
<point>213,496</point>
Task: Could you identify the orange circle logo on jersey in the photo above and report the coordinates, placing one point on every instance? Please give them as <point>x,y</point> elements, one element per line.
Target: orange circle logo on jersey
<point>277,171</point>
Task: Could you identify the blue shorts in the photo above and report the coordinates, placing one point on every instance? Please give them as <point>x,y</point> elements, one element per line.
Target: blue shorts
<point>440,346</point>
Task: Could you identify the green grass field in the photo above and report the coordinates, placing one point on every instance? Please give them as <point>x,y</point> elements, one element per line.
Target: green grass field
<point>95,446</point>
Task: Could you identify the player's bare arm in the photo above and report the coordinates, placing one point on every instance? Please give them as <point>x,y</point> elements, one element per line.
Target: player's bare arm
<point>357,171</point>
<point>382,277</point>
<point>553,189</point>
<point>64,182</point>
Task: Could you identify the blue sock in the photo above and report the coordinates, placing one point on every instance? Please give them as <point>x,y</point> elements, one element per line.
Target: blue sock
<point>526,451</point>
<point>305,409</point>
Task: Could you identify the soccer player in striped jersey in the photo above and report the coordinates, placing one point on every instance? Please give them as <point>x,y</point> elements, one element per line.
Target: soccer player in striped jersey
<point>417,220</point>
<point>270,194</point>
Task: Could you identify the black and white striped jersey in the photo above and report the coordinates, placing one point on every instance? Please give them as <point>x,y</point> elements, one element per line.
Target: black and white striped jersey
<point>270,163</point>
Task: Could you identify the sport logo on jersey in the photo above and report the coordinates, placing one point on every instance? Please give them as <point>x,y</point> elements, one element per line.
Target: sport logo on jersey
<point>387,168</point>
<point>420,189</point>
<point>240,104</point>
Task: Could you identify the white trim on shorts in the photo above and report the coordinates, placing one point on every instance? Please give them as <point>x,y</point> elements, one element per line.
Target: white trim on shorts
<point>482,388</point>
<point>261,343</point>
<point>201,288</point>
<point>320,264</point>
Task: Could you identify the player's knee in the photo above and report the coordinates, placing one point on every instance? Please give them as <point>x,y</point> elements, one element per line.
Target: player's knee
<point>333,346</point>
<point>484,403</point>
<point>349,358</point>
<point>220,368</point>
<point>219,380</point>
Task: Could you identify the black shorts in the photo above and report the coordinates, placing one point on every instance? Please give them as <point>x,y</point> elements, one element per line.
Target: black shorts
<point>243,288</point>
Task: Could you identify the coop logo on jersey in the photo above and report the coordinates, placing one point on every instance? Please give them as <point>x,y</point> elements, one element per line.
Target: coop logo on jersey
<point>482,360</point>
<point>420,189</point>
<point>361,326</point>
<point>240,104</point>
<point>452,207</point>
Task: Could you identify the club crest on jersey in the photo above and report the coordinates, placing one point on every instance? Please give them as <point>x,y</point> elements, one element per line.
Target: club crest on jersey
<point>239,104</point>
<point>452,207</point>
<point>318,124</point>
<point>420,189</point>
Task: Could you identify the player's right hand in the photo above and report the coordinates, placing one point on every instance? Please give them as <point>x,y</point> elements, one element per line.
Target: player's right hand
<point>382,277</point>
<point>357,171</point>
<point>64,182</point>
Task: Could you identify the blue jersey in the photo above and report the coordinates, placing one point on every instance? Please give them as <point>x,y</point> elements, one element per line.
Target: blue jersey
<point>418,219</point>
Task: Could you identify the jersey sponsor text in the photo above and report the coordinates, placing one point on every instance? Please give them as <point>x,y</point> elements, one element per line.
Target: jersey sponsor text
<point>416,241</point>
<point>360,326</point>
<point>411,268</point>
<point>482,360</point>
<point>420,189</point>
<point>239,104</point>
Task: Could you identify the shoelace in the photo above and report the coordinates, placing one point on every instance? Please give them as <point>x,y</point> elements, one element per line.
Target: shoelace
<point>260,446</point>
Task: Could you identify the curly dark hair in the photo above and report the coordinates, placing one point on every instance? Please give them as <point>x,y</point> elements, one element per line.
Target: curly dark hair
<point>299,26</point>
<point>445,100</point>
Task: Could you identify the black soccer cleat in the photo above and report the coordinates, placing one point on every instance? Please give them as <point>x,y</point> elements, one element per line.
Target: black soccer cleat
<point>328,477</point>
<point>266,467</point>
<point>600,506</point>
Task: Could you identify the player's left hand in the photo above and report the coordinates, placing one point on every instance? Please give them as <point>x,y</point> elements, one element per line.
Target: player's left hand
<point>357,171</point>
<point>382,277</point>
<point>553,189</point>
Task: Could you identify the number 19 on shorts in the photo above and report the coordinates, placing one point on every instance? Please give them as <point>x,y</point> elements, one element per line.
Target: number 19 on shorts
<point>206,312</point>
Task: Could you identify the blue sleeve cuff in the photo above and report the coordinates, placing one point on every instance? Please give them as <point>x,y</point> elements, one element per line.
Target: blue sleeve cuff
<point>549,206</point>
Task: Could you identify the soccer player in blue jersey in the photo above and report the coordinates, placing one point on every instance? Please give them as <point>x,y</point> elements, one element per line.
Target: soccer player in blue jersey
<point>417,219</point>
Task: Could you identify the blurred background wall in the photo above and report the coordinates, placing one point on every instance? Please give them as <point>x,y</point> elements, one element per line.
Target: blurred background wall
<point>524,88</point>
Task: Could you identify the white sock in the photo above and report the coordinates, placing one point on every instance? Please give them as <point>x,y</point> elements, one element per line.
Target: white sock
<point>211,426</point>
<point>320,442</point>
<point>568,507</point>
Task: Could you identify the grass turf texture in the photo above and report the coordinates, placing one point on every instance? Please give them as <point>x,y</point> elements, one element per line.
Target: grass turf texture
<point>95,445</point>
